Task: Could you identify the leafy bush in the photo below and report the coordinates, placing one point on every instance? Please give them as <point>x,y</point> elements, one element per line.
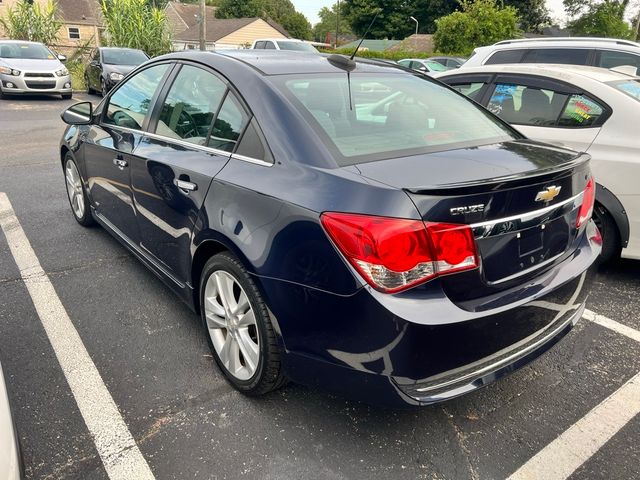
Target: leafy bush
<point>481,22</point>
<point>34,22</point>
<point>385,55</point>
<point>136,24</point>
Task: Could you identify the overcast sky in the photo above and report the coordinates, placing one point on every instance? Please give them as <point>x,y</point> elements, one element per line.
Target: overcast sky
<point>310,8</point>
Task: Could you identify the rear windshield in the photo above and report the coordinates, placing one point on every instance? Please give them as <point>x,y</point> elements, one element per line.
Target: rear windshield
<point>630,87</point>
<point>124,57</point>
<point>30,51</point>
<point>389,115</point>
<point>299,46</point>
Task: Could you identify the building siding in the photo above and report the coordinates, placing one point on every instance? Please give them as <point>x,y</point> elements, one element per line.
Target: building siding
<point>246,35</point>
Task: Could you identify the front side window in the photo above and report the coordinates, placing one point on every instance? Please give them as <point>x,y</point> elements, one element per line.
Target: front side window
<point>630,87</point>
<point>367,117</point>
<point>522,105</point>
<point>269,46</point>
<point>259,45</point>
<point>581,111</point>
<point>471,90</point>
<point>567,56</point>
<point>129,105</point>
<point>611,59</point>
<point>191,104</point>
<point>228,125</point>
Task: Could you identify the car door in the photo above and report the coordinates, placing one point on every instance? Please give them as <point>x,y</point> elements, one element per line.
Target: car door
<point>548,110</point>
<point>110,144</point>
<point>194,129</point>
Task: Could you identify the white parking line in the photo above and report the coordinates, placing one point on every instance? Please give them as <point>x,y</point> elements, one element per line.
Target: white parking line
<point>612,325</point>
<point>117,448</point>
<point>563,456</point>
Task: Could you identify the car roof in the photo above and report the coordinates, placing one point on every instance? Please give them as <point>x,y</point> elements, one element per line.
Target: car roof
<point>120,48</point>
<point>20,41</point>
<point>279,40</point>
<point>568,40</point>
<point>283,62</point>
<point>552,70</point>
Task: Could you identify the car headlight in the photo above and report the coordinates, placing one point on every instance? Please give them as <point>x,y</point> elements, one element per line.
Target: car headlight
<point>115,76</point>
<point>10,71</point>
<point>62,72</point>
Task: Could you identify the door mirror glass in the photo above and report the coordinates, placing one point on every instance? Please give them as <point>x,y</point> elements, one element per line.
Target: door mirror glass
<point>62,58</point>
<point>78,114</point>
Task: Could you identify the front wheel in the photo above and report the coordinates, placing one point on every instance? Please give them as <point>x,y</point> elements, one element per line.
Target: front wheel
<point>611,244</point>
<point>240,332</point>
<point>76,192</point>
<point>103,88</point>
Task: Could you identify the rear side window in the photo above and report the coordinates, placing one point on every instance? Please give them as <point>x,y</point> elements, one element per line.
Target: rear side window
<point>192,102</point>
<point>581,111</point>
<point>252,144</point>
<point>129,105</point>
<point>367,117</point>
<point>506,56</point>
<point>471,90</point>
<point>228,125</point>
<point>611,59</point>
<point>522,105</point>
<point>571,56</point>
<point>269,46</point>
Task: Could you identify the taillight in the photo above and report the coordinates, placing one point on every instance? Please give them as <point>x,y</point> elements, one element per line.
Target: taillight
<point>586,209</point>
<point>393,254</point>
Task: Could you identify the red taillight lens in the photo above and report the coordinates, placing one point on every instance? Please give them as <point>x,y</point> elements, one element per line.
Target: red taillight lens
<point>393,254</point>
<point>586,209</point>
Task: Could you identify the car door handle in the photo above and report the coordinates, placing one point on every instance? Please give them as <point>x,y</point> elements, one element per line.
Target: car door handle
<point>184,186</point>
<point>120,163</point>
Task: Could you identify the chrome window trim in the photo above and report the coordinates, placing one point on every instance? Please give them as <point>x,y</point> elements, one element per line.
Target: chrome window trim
<point>487,228</point>
<point>183,143</point>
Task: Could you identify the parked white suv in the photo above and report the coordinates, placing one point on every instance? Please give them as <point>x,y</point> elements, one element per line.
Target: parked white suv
<point>597,52</point>
<point>283,44</point>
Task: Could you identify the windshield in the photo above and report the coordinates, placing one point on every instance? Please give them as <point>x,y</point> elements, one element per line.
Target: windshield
<point>435,66</point>
<point>299,46</point>
<point>124,57</point>
<point>630,87</point>
<point>390,115</point>
<point>30,51</point>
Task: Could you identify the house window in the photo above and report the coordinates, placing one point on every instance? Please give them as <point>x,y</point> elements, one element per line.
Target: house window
<point>74,33</point>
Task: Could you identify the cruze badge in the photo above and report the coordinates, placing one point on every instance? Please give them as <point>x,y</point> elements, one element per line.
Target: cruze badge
<point>548,194</point>
<point>468,209</point>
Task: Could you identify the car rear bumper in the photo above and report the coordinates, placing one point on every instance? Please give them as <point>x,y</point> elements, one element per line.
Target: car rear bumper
<point>418,347</point>
<point>35,85</point>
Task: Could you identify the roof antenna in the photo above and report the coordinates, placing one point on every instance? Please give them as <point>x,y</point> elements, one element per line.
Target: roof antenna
<point>349,64</point>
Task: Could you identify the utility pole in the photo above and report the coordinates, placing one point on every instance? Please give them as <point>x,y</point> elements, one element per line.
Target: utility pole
<point>637,27</point>
<point>203,25</point>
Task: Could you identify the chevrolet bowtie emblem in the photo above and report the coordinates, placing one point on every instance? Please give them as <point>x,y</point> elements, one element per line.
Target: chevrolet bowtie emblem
<point>548,194</point>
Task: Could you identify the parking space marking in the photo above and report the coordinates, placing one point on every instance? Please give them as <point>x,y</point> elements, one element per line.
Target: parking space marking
<point>563,456</point>
<point>612,325</point>
<point>116,446</point>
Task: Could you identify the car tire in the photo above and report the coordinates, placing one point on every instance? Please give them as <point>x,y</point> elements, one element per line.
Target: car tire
<point>103,88</point>
<point>253,373</point>
<point>611,244</point>
<point>88,84</point>
<point>77,194</point>
<point>67,96</point>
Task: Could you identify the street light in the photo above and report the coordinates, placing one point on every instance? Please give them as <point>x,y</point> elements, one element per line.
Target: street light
<point>412,18</point>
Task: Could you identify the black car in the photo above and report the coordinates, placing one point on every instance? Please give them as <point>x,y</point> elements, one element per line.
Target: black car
<point>109,65</point>
<point>349,224</point>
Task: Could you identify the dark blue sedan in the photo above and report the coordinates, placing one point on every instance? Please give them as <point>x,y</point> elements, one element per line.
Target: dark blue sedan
<point>346,224</point>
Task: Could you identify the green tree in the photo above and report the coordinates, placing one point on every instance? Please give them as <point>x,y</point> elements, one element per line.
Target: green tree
<point>327,23</point>
<point>135,24</point>
<point>534,15</point>
<point>392,21</point>
<point>574,8</point>
<point>481,22</point>
<point>34,22</point>
<point>428,11</point>
<point>602,20</point>
<point>238,9</point>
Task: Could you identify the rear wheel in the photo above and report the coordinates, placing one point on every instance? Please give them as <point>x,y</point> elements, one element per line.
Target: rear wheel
<point>611,244</point>
<point>239,328</point>
<point>88,84</point>
<point>77,195</point>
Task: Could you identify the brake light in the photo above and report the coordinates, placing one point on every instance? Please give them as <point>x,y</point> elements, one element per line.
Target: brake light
<point>586,209</point>
<point>393,254</point>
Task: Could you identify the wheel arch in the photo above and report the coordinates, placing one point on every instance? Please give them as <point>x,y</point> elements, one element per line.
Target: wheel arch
<point>614,207</point>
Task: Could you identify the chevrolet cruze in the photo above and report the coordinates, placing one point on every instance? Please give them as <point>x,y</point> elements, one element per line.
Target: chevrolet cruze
<point>340,223</point>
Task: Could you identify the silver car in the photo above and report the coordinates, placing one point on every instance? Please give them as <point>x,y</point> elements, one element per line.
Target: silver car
<point>30,67</point>
<point>10,462</point>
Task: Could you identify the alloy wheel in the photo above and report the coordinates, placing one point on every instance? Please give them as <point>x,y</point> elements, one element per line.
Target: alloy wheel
<point>231,323</point>
<point>74,189</point>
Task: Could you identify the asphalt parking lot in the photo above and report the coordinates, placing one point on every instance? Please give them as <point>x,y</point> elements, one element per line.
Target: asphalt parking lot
<point>187,422</point>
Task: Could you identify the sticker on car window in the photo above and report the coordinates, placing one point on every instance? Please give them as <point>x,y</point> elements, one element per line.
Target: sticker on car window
<point>503,89</point>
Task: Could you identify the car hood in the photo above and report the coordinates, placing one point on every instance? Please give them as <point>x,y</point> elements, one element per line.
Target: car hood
<point>32,65</point>
<point>123,69</point>
<point>466,166</point>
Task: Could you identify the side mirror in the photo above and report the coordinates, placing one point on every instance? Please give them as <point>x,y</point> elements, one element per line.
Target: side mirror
<point>78,114</point>
<point>62,58</point>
